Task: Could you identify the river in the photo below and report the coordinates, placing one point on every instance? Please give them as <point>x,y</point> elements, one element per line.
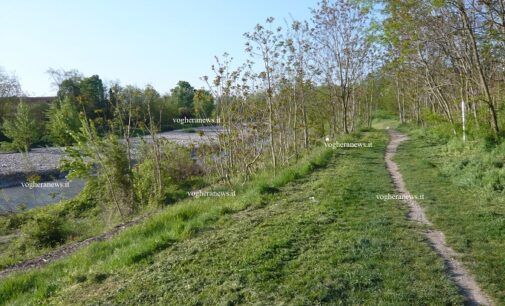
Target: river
<point>14,168</point>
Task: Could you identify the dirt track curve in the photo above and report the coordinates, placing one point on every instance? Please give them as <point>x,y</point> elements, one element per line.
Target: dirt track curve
<point>66,250</point>
<point>457,272</point>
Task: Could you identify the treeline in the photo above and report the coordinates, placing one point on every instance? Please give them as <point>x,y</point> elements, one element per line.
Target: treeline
<point>108,107</point>
<point>443,56</point>
<point>304,82</point>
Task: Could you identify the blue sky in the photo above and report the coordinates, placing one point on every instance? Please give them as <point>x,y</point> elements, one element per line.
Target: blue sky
<point>135,42</point>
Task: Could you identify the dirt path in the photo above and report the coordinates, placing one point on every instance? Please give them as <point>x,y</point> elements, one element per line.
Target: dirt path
<point>66,250</point>
<point>457,272</point>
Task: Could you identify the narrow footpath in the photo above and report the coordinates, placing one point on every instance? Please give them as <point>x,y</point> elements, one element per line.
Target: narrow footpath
<point>456,271</point>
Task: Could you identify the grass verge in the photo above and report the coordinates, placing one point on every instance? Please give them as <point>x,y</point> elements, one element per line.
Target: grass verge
<point>461,200</point>
<point>303,237</point>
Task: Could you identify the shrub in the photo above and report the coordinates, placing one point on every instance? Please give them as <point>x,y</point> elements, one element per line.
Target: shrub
<point>383,114</point>
<point>107,160</point>
<point>45,230</point>
<point>21,130</point>
<point>63,121</point>
<point>176,167</point>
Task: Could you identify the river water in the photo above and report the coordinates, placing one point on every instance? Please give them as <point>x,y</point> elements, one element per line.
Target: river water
<point>34,196</point>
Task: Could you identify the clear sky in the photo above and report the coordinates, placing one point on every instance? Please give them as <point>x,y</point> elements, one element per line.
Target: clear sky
<point>135,42</point>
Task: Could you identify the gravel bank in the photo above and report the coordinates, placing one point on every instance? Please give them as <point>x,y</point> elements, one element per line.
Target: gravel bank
<point>15,167</point>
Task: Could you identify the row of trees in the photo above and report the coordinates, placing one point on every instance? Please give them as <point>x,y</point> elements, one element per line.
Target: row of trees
<point>444,55</point>
<point>302,83</point>
<point>109,107</point>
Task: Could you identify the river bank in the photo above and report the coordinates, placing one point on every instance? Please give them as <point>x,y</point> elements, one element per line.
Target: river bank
<point>15,168</point>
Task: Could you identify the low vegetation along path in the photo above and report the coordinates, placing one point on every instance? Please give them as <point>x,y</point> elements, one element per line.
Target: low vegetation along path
<point>466,283</point>
<point>66,250</point>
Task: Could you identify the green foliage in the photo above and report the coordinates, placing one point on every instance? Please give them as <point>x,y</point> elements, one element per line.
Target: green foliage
<point>441,129</point>
<point>22,129</point>
<point>383,114</point>
<point>183,95</point>
<point>87,95</point>
<point>107,160</point>
<point>115,172</point>
<point>45,231</point>
<point>176,167</point>
<point>91,96</point>
<point>86,203</point>
<point>203,103</point>
<point>63,121</point>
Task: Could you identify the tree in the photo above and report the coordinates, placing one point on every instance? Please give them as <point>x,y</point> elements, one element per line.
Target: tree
<point>63,121</point>
<point>340,36</point>
<point>266,43</point>
<point>203,103</point>
<point>92,97</point>
<point>452,50</point>
<point>88,94</point>
<point>103,161</point>
<point>9,85</point>
<point>183,95</point>
<point>21,129</point>
<point>9,91</point>
<point>60,75</point>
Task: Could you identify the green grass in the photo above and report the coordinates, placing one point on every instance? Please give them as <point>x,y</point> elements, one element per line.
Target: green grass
<point>315,234</point>
<point>14,246</point>
<point>382,124</point>
<point>460,201</point>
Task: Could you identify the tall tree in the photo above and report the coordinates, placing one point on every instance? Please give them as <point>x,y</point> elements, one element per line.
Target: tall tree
<point>266,44</point>
<point>183,95</point>
<point>341,39</point>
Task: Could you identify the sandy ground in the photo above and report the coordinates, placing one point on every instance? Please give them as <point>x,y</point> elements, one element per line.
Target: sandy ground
<point>456,271</point>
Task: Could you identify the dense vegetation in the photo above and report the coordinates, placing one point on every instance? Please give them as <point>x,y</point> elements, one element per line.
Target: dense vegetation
<point>109,108</point>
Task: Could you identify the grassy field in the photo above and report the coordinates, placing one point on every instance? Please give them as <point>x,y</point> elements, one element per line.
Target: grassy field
<point>316,234</point>
<point>460,202</point>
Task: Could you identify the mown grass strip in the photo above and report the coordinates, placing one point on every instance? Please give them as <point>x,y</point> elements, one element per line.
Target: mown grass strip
<point>323,239</point>
<point>472,218</point>
<point>138,244</point>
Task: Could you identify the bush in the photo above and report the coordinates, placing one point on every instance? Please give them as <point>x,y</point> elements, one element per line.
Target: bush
<point>45,230</point>
<point>382,114</point>
<point>177,169</point>
<point>63,121</point>
<point>21,130</point>
<point>86,203</point>
<point>105,159</point>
